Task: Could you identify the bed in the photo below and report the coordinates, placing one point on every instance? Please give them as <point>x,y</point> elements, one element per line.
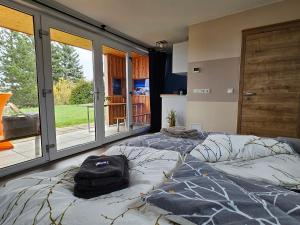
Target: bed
<point>216,179</point>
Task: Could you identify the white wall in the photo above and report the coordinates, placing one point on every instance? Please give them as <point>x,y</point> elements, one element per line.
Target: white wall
<point>210,112</point>
<point>221,38</point>
<point>176,103</point>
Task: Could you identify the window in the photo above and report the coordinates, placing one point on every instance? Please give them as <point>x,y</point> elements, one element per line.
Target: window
<point>117,88</point>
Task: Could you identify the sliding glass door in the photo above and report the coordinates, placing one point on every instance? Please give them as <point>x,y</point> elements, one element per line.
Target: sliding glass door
<point>126,103</point>
<point>64,89</point>
<point>116,97</point>
<point>72,88</point>
<point>73,82</point>
<point>23,132</point>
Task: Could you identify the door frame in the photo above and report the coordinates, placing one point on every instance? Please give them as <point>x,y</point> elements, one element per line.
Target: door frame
<point>267,28</point>
<point>52,22</point>
<point>40,85</point>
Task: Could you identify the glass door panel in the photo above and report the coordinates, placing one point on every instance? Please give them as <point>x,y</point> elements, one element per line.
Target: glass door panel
<point>20,130</point>
<point>141,91</point>
<point>115,91</point>
<point>73,85</point>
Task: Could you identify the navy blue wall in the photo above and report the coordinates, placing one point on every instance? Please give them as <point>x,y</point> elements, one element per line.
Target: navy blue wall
<point>173,83</point>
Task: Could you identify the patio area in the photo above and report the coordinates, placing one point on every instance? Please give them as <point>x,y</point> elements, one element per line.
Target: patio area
<point>29,148</point>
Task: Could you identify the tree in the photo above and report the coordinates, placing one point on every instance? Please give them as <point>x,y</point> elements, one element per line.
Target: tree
<point>65,63</point>
<point>18,68</point>
<point>82,93</point>
<point>62,90</point>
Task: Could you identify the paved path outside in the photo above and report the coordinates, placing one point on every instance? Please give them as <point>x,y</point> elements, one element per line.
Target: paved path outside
<point>29,148</point>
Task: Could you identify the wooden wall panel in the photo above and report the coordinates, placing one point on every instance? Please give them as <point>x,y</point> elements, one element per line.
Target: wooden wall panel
<point>145,100</point>
<point>140,70</point>
<point>270,70</point>
<point>120,111</point>
<point>117,110</point>
<point>116,68</point>
<point>140,67</point>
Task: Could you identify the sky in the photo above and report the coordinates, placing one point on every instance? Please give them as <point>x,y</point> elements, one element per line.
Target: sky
<point>86,61</point>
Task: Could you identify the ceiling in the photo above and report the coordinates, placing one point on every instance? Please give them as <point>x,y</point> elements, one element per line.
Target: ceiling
<point>153,20</point>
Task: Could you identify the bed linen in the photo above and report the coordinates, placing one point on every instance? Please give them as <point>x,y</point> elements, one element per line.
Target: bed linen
<point>252,157</point>
<point>282,169</point>
<point>47,197</point>
<point>222,147</point>
<point>180,132</point>
<point>196,193</point>
<point>163,141</point>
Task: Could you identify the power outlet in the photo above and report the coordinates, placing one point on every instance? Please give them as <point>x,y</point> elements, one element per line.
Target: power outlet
<point>206,91</point>
<point>201,91</point>
<point>230,90</point>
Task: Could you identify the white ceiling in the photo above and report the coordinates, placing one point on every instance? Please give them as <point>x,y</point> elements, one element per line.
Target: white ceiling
<point>153,20</point>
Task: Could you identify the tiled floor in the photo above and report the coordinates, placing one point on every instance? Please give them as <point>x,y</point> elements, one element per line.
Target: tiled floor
<point>29,148</point>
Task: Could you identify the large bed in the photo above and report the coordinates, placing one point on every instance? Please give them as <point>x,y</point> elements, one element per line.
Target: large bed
<point>213,179</point>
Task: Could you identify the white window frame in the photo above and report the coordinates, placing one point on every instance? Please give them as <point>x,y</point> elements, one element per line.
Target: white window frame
<point>40,84</point>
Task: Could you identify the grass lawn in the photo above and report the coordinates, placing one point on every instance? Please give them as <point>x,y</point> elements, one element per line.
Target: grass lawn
<point>68,115</point>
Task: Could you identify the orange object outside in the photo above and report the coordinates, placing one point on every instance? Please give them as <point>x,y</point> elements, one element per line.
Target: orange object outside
<point>6,145</point>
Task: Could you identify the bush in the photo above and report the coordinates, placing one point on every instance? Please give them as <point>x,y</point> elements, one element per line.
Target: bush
<point>82,93</point>
<point>62,91</point>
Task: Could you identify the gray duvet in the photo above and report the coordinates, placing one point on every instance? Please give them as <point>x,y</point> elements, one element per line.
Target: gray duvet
<point>163,141</point>
<point>198,194</point>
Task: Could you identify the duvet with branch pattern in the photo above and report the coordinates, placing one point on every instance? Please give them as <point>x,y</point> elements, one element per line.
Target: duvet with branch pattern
<point>198,194</point>
<point>222,147</point>
<point>162,141</point>
<point>263,159</point>
<point>47,197</point>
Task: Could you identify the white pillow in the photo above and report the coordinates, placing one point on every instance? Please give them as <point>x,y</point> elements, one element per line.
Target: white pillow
<point>222,147</point>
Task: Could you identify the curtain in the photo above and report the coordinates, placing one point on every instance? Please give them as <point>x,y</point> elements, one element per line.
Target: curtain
<point>157,70</point>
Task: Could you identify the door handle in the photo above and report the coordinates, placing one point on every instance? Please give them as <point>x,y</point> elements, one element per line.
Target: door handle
<point>97,92</point>
<point>248,93</point>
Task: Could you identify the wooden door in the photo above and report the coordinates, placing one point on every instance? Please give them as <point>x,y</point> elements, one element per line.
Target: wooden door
<point>269,103</point>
